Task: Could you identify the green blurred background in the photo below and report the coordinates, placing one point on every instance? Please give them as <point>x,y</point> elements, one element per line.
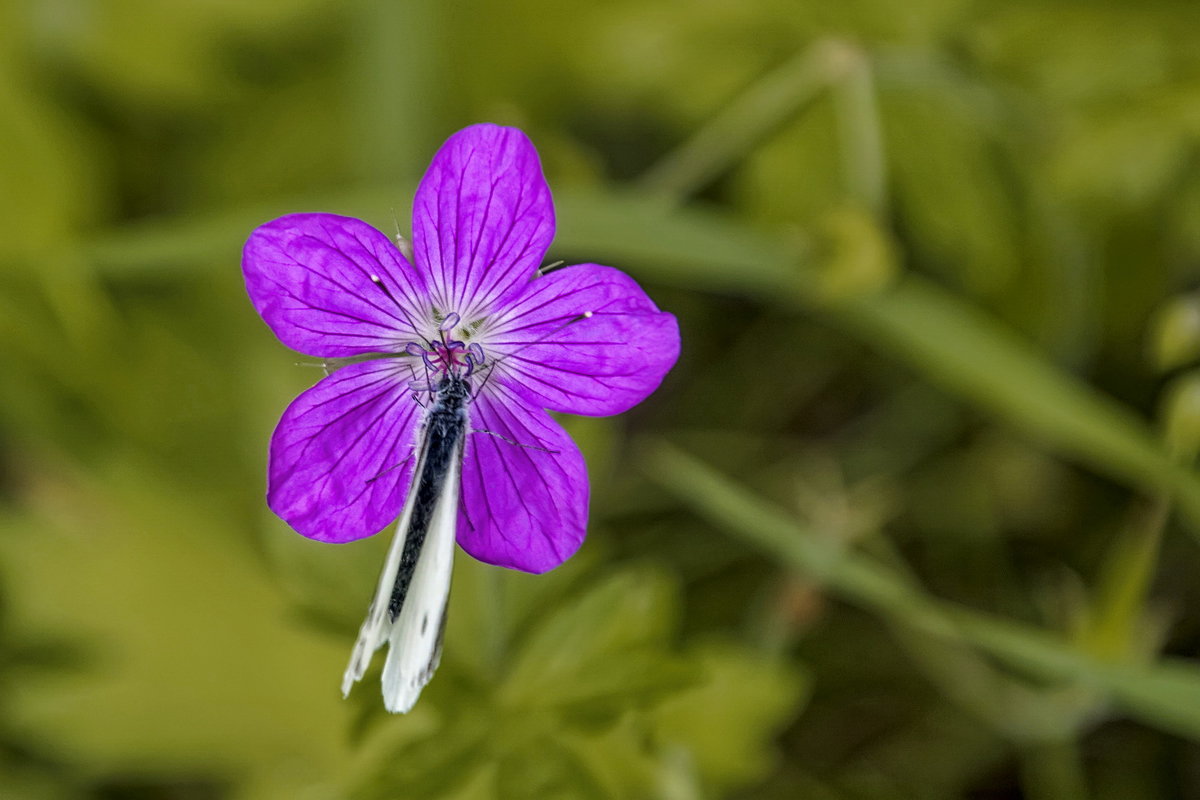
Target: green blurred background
<point>914,516</point>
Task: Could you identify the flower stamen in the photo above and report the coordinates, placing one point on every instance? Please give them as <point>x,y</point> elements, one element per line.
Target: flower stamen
<point>446,356</point>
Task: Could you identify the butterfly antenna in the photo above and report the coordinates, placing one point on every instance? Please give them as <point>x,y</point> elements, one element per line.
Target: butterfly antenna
<point>428,378</point>
<point>412,384</point>
<point>486,378</point>
<point>516,443</point>
<point>379,475</point>
<point>545,336</point>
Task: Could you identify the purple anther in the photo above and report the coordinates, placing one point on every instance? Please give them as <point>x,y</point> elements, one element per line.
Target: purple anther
<point>414,349</point>
<point>454,344</point>
<point>476,352</point>
<point>449,322</point>
<point>419,386</point>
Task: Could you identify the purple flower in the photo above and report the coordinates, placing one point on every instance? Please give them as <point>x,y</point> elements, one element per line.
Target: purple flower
<point>470,302</point>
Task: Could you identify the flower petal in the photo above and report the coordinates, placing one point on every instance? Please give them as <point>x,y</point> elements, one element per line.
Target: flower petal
<point>342,455</point>
<point>331,286</point>
<point>600,365</point>
<point>522,507</point>
<point>482,218</point>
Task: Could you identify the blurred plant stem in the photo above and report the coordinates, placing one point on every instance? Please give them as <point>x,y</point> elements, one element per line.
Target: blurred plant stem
<point>1114,626</point>
<point>395,68</point>
<point>1166,694</point>
<point>776,98</point>
<point>863,161</point>
<point>1119,622</point>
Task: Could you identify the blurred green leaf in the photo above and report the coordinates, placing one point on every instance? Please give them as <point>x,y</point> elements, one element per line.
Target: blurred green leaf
<point>723,722</point>
<point>597,632</point>
<point>550,770</point>
<point>430,766</point>
<point>178,624</point>
<point>592,699</point>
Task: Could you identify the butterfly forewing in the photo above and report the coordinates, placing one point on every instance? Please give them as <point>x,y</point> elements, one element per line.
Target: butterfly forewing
<point>409,607</point>
<point>415,642</point>
<point>374,630</point>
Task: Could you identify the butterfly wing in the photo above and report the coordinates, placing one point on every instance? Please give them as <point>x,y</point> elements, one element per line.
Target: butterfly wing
<point>376,627</point>
<point>415,638</point>
<point>414,635</point>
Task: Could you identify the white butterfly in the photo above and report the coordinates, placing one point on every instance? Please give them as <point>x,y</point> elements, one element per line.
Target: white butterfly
<point>408,611</point>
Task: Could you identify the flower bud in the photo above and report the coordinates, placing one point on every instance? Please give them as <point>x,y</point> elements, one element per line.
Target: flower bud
<point>1175,333</point>
<point>857,257</point>
<point>1181,416</point>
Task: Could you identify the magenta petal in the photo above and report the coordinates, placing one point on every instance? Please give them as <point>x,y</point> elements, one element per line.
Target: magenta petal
<point>482,218</point>
<point>342,455</point>
<point>522,507</point>
<point>596,366</point>
<point>331,286</point>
